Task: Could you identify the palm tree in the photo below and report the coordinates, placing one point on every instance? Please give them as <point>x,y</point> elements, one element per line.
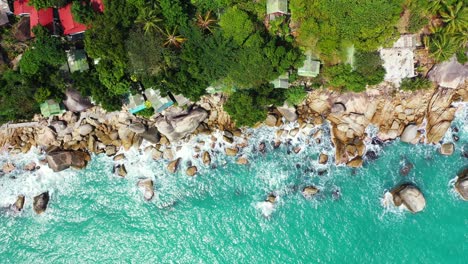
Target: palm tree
<point>435,5</point>
<point>148,17</point>
<point>461,38</point>
<point>455,17</point>
<point>206,22</point>
<point>172,39</point>
<point>442,47</point>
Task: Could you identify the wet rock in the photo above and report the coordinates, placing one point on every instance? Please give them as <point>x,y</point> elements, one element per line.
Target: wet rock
<point>323,158</point>
<point>206,158</point>
<point>30,166</point>
<point>232,151</point>
<point>410,196</point>
<point>191,171</point>
<point>447,149</point>
<point>277,144</point>
<point>120,170</point>
<point>455,138</point>
<point>18,205</point>
<point>118,157</point>
<point>168,154</point>
<point>336,194</point>
<point>297,150</point>
<point>355,163</point>
<point>137,128</point>
<point>228,139</point>
<point>173,166</point>
<point>62,159</point>
<point>8,167</point>
<point>406,168</point>
<point>147,187</point>
<point>409,133</point>
<point>371,155</point>
<point>85,129</point>
<point>111,150</point>
<point>271,198</point>
<point>242,161</point>
<point>309,191</point>
<point>40,202</point>
<point>262,147</point>
<point>461,185</point>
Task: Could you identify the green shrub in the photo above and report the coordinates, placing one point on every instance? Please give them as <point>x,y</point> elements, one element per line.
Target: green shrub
<point>148,112</point>
<point>416,23</point>
<point>416,83</point>
<point>243,109</point>
<point>295,95</point>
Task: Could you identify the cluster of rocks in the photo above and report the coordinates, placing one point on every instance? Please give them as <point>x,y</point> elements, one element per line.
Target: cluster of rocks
<point>410,196</point>
<point>393,113</point>
<point>40,203</point>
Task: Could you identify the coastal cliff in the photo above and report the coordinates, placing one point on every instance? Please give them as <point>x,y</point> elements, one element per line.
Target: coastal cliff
<point>418,117</point>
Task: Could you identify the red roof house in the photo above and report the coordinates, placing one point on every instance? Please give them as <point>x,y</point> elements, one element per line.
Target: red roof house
<point>43,17</point>
<point>98,5</point>
<point>21,7</point>
<point>70,26</point>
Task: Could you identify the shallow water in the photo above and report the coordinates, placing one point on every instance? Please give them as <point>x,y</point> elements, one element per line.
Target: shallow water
<point>219,216</point>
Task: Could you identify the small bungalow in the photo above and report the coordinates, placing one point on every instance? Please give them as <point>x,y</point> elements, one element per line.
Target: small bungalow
<point>158,102</point>
<point>282,81</point>
<point>4,12</point>
<point>399,59</point>
<point>50,107</point>
<point>276,8</point>
<point>136,103</point>
<point>311,67</point>
<point>77,60</point>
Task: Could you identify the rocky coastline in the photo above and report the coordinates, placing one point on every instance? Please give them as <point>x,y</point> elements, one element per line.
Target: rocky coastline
<point>421,117</point>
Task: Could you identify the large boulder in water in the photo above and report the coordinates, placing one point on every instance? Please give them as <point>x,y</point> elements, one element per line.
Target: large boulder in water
<point>410,196</point>
<point>18,205</point>
<point>40,202</point>
<point>461,185</point>
<point>447,149</point>
<point>63,159</point>
<point>147,187</point>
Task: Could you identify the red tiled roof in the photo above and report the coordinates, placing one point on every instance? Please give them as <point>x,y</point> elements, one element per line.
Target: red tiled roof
<point>70,26</point>
<point>22,7</point>
<point>98,5</point>
<point>44,17</point>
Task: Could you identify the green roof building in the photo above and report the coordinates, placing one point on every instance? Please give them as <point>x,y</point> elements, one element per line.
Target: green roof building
<point>50,107</point>
<point>277,7</point>
<point>311,67</point>
<point>282,81</point>
<point>77,60</point>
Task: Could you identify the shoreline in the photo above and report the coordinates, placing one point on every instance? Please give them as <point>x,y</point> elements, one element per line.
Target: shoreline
<point>193,154</point>
<point>415,117</point>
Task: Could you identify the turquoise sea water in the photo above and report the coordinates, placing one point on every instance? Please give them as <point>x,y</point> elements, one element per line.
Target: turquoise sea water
<point>220,217</point>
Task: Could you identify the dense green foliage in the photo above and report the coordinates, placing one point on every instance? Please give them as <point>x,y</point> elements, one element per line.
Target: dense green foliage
<point>325,26</point>
<point>247,107</point>
<point>83,11</point>
<point>449,28</point>
<point>39,4</point>
<point>295,95</point>
<point>416,83</point>
<point>46,51</point>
